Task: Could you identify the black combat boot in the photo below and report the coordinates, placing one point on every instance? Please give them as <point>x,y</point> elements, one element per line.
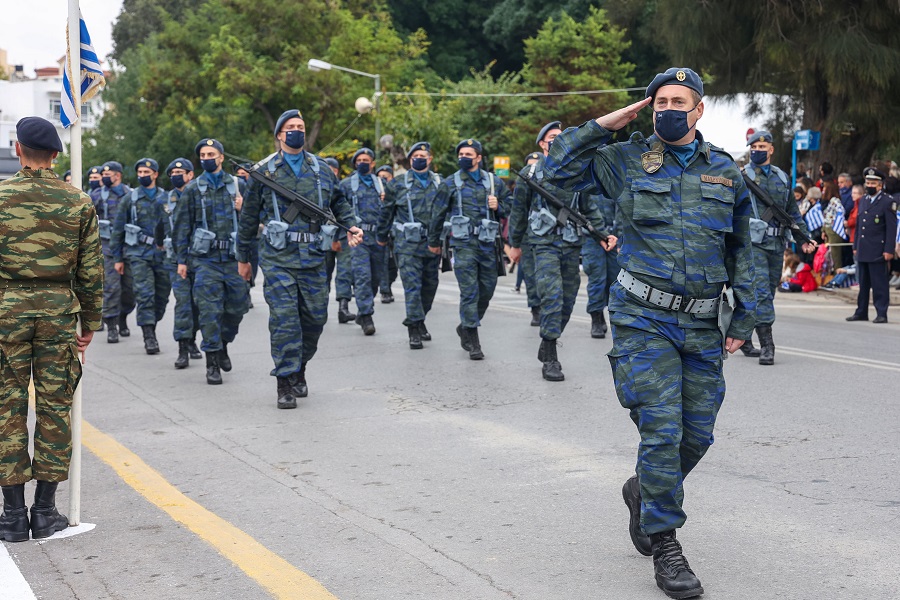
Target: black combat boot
<point>415,338</point>
<point>224,359</point>
<point>673,574</point>
<point>552,370</point>
<point>301,390</point>
<point>598,325</point>
<point>750,350</point>
<point>45,519</point>
<point>766,345</point>
<point>183,359</point>
<point>123,325</point>
<point>463,334</point>
<point>535,316</point>
<point>151,345</point>
<point>631,492</point>
<point>367,324</point>
<point>112,330</point>
<point>423,333</point>
<point>387,297</point>
<point>344,314</point>
<point>193,350</point>
<point>475,352</point>
<point>102,326</point>
<point>286,393</point>
<point>14,520</point>
<point>213,375</point>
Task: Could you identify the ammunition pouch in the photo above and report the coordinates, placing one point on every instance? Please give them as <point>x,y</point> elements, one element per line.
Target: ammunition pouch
<point>132,234</point>
<point>327,234</point>
<point>169,248</point>
<point>757,230</point>
<point>459,227</point>
<point>488,231</point>
<point>571,233</point>
<point>276,234</point>
<point>541,221</point>
<point>105,228</point>
<point>202,241</point>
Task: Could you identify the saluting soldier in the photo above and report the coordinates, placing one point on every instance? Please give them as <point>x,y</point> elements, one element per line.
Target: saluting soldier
<point>472,202</point>
<point>51,274</point>
<point>206,224</point>
<point>407,213</point>
<point>873,246</point>
<point>556,250</point>
<point>366,192</point>
<point>134,241</point>
<point>186,318</point>
<point>292,255</point>
<point>685,211</point>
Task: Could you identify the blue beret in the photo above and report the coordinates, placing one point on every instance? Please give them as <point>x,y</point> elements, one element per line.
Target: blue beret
<point>38,134</point>
<point>537,155</point>
<point>418,146</point>
<point>112,165</point>
<point>147,162</point>
<point>676,76</point>
<point>387,168</point>
<point>363,151</point>
<point>95,170</point>
<point>209,142</point>
<point>760,136</point>
<point>873,173</point>
<point>180,163</point>
<point>288,114</point>
<point>332,162</point>
<point>469,143</point>
<point>547,129</point>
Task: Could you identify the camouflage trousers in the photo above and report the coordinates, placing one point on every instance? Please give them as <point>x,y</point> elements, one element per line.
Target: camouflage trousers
<point>298,304</point>
<point>476,272</point>
<point>526,263</point>
<point>602,268</point>
<point>42,348</point>
<point>419,275</point>
<point>118,290</point>
<point>152,285</point>
<point>343,274</point>
<point>389,269</point>
<point>187,318</point>
<point>767,264</point>
<point>366,260</point>
<point>222,301</point>
<point>671,380</point>
<point>557,277</point>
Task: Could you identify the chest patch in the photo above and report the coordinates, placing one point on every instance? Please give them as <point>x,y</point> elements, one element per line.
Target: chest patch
<point>719,180</point>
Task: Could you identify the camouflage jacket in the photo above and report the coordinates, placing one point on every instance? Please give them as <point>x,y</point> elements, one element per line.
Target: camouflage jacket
<point>367,203</point>
<point>106,202</point>
<point>686,230</point>
<point>778,186</point>
<point>409,201</point>
<point>259,209</point>
<point>48,233</point>
<point>145,212</point>
<point>474,206</point>
<point>215,207</point>
<point>526,201</point>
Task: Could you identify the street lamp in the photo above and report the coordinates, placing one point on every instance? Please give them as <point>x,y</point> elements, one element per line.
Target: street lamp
<point>317,65</point>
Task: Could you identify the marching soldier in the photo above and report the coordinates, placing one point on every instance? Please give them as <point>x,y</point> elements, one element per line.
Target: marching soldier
<point>601,267</point>
<point>471,202</point>
<point>556,250</point>
<point>406,213</point>
<point>206,223</point>
<point>388,273</point>
<point>133,240</point>
<point>292,255</point>
<point>186,319</point>
<point>526,264</point>
<point>94,179</point>
<point>685,211</point>
<point>51,274</point>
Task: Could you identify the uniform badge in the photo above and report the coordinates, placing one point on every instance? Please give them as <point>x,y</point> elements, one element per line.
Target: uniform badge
<point>877,220</point>
<point>178,165</point>
<point>680,76</point>
<point>147,164</point>
<point>209,142</point>
<point>651,161</point>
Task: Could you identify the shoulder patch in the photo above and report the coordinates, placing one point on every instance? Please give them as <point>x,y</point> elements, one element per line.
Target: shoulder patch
<point>719,150</point>
<point>719,180</point>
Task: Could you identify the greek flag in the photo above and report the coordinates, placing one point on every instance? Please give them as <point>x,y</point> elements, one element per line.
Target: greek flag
<point>814,217</point>
<point>838,225</point>
<point>90,77</point>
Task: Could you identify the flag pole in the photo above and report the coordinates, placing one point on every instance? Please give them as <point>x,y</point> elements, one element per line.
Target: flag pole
<point>74,67</point>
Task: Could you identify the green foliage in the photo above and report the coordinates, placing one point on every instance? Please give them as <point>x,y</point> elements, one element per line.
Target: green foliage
<point>140,19</point>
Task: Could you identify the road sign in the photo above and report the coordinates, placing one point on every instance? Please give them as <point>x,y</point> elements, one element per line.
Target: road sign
<point>501,166</point>
<point>806,139</point>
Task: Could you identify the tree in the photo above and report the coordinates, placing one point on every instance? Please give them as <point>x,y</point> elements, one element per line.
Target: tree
<point>139,19</point>
<point>842,59</point>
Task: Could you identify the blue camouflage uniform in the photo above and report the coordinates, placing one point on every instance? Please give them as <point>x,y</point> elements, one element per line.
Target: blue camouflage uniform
<point>686,234</point>
<point>143,208</point>
<point>466,194</point>
<point>118,290</point>
<point>293,265</point>
<point>186,317</point>
<point>365,193</point>
<point>221,295</point>
<point>407,213</point>
<point>601,266</point>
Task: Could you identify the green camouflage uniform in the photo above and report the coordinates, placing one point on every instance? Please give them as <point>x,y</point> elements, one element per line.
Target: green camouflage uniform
<point>51,270</point>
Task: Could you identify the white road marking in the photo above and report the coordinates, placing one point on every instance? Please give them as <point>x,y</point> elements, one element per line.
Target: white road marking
<point>14,585</point>
<point>68,532</point>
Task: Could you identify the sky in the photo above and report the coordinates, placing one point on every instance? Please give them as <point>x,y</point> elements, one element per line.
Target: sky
<point>33,32</point>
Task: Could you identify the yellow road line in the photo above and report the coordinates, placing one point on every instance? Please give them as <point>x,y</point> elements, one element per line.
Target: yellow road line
<point>279,577</point>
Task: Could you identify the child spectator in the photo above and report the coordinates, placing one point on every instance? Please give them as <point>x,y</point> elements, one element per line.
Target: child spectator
<point>803,281</point>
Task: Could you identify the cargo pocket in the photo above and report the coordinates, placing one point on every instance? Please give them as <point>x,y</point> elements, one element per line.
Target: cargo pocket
<point>652,201</point>
<point>627,343</point>
<point>717,208</point>
<point>73,370</point>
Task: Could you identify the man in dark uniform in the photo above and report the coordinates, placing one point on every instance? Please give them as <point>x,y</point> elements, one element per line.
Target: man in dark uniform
<point>685,220</point>
<point>876,230</point>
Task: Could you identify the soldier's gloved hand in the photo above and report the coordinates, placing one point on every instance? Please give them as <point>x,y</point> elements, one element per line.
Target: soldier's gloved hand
<point>120,268</point>
<point>182,271</point>
<point>733,345</point>
<point>493,204</point>
<point>611,242</point>
<point>245,270</point>
<point>355,237</point>
<point>434,250</point>
<point>615,121</point>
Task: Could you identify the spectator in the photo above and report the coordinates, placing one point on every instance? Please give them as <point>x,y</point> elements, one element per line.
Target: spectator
<point>814,220</point>
<point>834,210</point>
<point>845,186</point>
<point>845,277</point>
<point>827,183</point>
<point>799,194</point>
<point>803,281</point>
<point>791,262</point>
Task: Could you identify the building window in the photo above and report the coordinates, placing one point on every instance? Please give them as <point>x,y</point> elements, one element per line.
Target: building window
<point>55,109</point>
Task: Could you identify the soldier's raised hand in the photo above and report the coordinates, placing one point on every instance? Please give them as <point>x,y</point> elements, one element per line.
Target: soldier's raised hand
<point>615,121</point>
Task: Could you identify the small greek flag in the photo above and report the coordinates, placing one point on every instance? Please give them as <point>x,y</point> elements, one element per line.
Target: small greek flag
<point>814,217</point>
<point>838,225</point>
<point>898,226</point>
<point>90,77</point>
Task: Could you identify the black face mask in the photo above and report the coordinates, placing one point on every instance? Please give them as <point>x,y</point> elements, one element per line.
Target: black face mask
<point>145,181</point>
<point>419,164</point>
<point>209,165</point>
<point>94,184</point>
<point>107,181</point>
<point>871,190</point>
<point>177,181</point>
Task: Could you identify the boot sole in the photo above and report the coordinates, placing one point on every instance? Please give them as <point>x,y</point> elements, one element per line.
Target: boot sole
<point>478,356</point>
<point>767,363</point>
<point>679,595</point>
<point>152,352</point>
<point>416,346</point>
<point>213,382</point>
<point>15,537</point>
<point>598,337</point>
<point>179,367</point>
<point>563,378</point>
<point>45,533</point>
<point>632,519</point>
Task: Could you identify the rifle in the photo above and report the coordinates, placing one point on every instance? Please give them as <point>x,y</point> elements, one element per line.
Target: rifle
<point>566,213</point>
<point>300,205</point>
<point>446,263</point>
<point>498,241</point>
<point>773,210</point>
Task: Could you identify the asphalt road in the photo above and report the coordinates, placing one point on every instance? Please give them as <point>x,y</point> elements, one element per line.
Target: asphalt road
<point>422,474</point>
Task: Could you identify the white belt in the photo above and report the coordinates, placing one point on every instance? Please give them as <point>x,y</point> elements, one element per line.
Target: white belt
<point>685,304</point>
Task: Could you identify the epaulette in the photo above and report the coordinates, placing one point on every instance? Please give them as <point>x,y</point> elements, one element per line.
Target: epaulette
<point>720,150</point>
<point>637,138</point>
